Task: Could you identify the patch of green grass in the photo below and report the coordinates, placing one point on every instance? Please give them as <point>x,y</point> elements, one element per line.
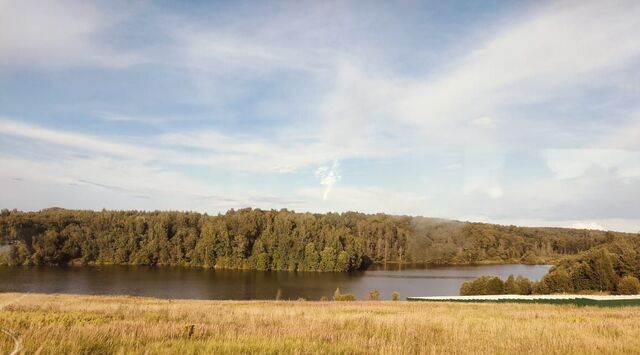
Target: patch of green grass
<point>576,301</point>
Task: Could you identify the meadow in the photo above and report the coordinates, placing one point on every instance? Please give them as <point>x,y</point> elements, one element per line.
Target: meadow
<point>58,324</point>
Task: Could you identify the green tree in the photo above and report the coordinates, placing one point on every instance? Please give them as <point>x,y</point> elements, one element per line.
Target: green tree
<point>511,287</point>
<point>262,261</point>
<point>483,285</point>
<point>311,257</point>
<point>327,259</point>
<point>342,262</point>
<point>524,285</point>
<point>494,286</point>
<point>604,274</point>
<point>557,281</point>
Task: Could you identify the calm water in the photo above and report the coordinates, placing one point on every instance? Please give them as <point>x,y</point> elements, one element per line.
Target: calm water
<point>175,282</point>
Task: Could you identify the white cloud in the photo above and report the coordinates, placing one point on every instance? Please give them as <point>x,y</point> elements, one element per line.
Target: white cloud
<point>95,182</point>
<point>532,59</point>
<point>329,176</point>
<point>70,139</point>
<point>574,163</point>
<point>484,121</point>
<point>586,225</point>
<point>367,199</point>
<point>209,148</point>
<point>57,33</point>
<point>625,137</point>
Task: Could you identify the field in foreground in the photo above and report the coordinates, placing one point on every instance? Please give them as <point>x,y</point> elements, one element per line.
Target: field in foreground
<point>56,324</point>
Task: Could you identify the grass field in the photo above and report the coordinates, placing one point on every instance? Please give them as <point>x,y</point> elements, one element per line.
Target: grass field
<point>58,324</point>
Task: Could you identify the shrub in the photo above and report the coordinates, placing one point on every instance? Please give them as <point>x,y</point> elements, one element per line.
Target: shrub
<point>395,296</point>
<point>629,285</point>
<point>474,287</point>
<point>556,281</point>
<point>347,297</point>
<point>483,285</point>
<point>323,299</point>
<point>495,286</point>
<point>511,287</point>
<point>374,295</point>
<point>524,285</point>
<point>339,296</point>
<point>540,288</point>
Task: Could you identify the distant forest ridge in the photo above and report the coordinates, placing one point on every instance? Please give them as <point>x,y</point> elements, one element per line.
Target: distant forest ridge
<point>277,240</point>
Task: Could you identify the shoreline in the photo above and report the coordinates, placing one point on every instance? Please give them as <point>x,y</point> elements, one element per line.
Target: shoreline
<point>372,267</point>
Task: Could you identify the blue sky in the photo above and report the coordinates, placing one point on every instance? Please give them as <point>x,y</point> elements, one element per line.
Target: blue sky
<point>506,112</point>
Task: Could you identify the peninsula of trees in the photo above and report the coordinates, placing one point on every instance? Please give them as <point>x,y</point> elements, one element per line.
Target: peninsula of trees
<point>276,240</point>
<point>613,267</point>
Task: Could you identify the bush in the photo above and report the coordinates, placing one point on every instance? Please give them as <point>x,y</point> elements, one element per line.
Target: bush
<point>395,296</point>
<point>474,287</point>
<point>511,287</point>
<point>594,270</point>
<point>540,288</point>
<point>347,297</point>
<point>374,295</point>
<point>339,296</point>
<point>483,285</point>
<point>323,299</point>
<point>495,286</point>
<point>629,285</point>
<point>524,285</point>
<point>556,281</point>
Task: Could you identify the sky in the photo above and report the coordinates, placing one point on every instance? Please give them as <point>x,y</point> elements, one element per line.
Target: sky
<point>509,112</point>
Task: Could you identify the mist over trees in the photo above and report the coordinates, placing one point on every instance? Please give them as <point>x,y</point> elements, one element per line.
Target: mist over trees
<point>276,240</point>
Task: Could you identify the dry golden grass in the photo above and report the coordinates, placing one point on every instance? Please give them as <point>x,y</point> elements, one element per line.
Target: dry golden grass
<point>59,324</point>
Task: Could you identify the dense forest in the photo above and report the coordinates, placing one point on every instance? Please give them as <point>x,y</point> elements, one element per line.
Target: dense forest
<point>276,240</point>
<point>610,268</point>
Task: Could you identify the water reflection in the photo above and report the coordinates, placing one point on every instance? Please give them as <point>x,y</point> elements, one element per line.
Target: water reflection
<point>196,283</point>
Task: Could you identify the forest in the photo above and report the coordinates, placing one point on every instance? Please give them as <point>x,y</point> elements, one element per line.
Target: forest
<point>278,240</point>
<point>612,268</point>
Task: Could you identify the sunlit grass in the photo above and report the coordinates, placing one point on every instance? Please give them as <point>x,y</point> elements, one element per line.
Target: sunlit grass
<point>56,324</point>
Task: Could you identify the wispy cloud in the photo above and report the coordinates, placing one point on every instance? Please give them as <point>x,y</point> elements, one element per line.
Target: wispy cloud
<point>328,176</point>
<point>58,34</point>
<point>84,142</point>
<point>587,225</point>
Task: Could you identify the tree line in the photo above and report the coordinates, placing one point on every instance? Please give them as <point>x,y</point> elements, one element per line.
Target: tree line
<point>275,240</point>
<point>610,268</point>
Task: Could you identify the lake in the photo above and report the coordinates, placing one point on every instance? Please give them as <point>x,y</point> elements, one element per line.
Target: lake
<point>197,283</point>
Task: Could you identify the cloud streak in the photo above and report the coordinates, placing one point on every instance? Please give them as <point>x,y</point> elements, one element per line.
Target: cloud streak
<point>328,176</point>
<point>54,34</point>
